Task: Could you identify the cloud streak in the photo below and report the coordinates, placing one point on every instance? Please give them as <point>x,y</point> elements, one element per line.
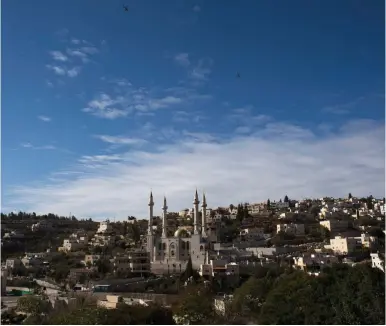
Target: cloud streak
<point>63,71</point>
<point>59,56</point>
<point>182,59</point>
<point>30,146</point>
<point>344,108</point>
<point>139,100</point>
<point>280,159</point>
<point>120,140</point>
<point>44,118</point>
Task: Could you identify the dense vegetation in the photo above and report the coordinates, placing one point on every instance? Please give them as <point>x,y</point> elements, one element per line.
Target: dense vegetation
<point>340,295</point>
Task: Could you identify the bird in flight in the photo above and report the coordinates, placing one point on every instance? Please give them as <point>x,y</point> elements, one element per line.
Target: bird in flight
<point>126,8</point>
<point>238,75</point>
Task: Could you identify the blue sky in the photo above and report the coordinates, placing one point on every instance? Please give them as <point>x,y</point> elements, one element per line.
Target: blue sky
<point>99,105</point>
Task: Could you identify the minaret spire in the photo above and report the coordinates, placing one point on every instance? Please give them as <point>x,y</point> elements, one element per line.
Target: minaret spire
<point>196,202</point>
<point>164,218</point>
<point>203,216</point>
<point>151,206</point>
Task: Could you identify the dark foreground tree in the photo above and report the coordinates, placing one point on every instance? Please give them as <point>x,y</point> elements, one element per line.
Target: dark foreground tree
<point>195,307</point>
<point>339,295</point>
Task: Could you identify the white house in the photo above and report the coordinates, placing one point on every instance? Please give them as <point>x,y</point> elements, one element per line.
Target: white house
<point>295,229</point>
<point>377,262</point>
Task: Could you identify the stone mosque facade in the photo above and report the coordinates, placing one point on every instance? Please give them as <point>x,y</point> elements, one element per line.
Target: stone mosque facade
<point>171,254</point>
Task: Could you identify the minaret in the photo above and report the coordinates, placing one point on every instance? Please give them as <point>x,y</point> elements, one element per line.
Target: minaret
<point>196,202</point>
<point>203,216</point>
<point>150,235</point>
<point>151,205</point>
<point>206,257</point>
<point>164,219</point>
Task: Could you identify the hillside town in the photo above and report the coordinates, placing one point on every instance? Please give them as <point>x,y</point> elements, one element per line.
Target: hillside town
<point>156,259</point>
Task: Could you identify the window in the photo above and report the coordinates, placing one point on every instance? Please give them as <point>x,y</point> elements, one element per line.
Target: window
<point>201,248</point>
<point>172,253</point>
<point>164,246</point>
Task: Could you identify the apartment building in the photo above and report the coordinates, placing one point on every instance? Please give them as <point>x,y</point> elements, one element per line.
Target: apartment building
<point>278,205</point>
<point>292,228</point>
<point>314,262</point>
<point>134,261</point>
<point>335,226</point>
<point>252,233</point>
<point>345,245</point>
<point>91,259</point>
<point>219,267</point>
<point>41,226</point>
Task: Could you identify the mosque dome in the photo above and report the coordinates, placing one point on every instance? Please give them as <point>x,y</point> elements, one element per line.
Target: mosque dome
<point>181,233</point>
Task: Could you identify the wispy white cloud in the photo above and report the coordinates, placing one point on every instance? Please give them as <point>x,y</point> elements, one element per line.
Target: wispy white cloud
<point>121,82</point>
<point>196,8</point>
<point>57,70</point>
<point>188,116</point>
<point>182,59</point>
<point>63,71</point>
<point>164,102</point>
<point>75,41</point>
<point>49,83</point>
<point>84,53</point>
<point>198,72</point>
<point>139,100</point>
<point>44,118</point>
<point>343,108</point>
<point>243,130</point>
<point>59,56</point>
<point>246,120</point>
<point>80,42</point>
<point>202,70</point>
<point>103,107</point>
<point>120,140</point>
<point>77,53</point>
<point>73,72</point>
<point>280,159</point>
<point>29,145</point>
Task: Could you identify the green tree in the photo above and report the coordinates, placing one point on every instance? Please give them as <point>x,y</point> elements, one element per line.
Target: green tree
<point>240,212</point>
<point>194,307</point>
<point>268,204</point>
<point>349,195</point>
<point>249,298</point>
<point>245,211</point>
<point>369,202</point>
<point>288,301</point>
<point>33,305</point>
<point>286,199</point>
<point>189,271</point>
<point>103,266</point>
<point>340,295</point>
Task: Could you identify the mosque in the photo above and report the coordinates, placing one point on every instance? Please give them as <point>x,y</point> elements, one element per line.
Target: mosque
<point>171,254</point>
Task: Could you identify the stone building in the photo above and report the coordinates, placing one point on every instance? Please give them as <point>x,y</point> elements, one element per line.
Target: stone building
<point>171,254</point>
